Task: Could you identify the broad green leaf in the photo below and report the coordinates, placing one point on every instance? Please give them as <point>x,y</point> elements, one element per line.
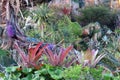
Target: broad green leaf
<point>2,75</point>
<point>55,73</point>
<point>3,52</point>
<point>41,71</point>
<point>28,77</point>
<point>27,70</point>
<point>11,69</point>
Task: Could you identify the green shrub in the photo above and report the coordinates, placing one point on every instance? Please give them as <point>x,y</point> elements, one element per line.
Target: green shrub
<point>79,72</point>
<point>46,72</point>
<point>101,14</point>
<point>5,58</point>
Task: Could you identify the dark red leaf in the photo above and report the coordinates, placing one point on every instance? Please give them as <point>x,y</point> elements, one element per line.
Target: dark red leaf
<point>33,51</point>
<point>51,55</point>
<point>64,54</point>
<point>39,54</point>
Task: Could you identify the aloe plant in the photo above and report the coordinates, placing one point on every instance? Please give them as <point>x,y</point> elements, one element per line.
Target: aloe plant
<point>89,58</point>
<point>31,59</point>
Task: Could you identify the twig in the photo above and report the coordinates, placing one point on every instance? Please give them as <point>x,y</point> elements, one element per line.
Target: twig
<point>21,14</point>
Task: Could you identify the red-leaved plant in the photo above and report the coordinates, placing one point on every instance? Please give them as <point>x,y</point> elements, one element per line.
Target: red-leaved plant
<point>57,58</point>
<point>30,59</point>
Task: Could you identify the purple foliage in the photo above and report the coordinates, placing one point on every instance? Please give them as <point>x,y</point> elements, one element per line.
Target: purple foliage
<point>10,30</point>
<point>51,46</point>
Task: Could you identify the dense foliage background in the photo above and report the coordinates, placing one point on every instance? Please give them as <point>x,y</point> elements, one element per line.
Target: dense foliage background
<point>59,40</point>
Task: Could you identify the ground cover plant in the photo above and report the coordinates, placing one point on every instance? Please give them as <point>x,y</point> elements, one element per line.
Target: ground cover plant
<point>41,42</point>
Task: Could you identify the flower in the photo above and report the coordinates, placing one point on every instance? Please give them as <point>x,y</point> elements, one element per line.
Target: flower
<point>66,11</point>
<point>51,46</point>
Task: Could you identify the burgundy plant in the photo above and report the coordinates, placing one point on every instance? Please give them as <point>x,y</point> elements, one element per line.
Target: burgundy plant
<point>57,58</point>
<point>31,59</point>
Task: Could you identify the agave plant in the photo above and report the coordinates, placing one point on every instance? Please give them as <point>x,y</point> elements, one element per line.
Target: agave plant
<point>89,58</point>
<point>31,59</point>
<point>58,58</point>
